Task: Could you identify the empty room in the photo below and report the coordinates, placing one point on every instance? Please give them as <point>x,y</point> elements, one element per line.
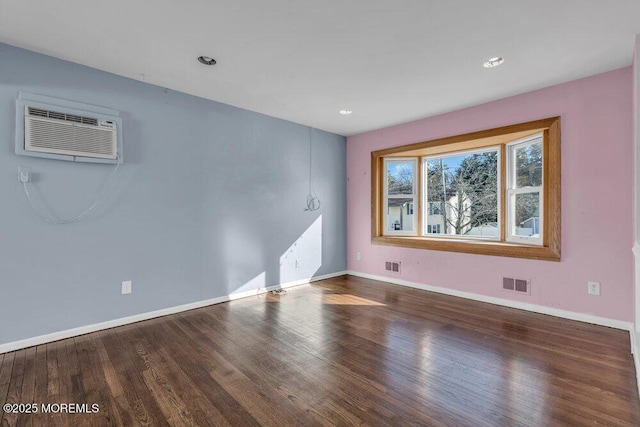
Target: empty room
<point>295,213</point>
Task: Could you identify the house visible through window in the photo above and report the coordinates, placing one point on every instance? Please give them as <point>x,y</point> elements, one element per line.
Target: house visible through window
<point>467,185</point>
<point>400,195</point>
<point>433,228</point>
<point>493,192</point>
<point>435,207</point>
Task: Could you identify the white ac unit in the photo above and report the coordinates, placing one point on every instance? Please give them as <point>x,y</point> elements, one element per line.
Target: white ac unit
<point>67,130</point>
<point>47,131</point>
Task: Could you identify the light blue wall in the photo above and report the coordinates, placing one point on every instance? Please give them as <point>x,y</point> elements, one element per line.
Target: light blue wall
<point>209,197</point>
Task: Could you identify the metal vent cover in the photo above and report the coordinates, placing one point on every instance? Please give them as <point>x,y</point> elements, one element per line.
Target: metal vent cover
<point>521,285</point>
<point>512,284</point>
<point>393,266</point>
<point>508,284</point>
<point>54,132</point>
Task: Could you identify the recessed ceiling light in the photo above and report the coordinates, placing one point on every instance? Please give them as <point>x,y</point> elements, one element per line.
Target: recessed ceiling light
<point>493,62</point>
<point>345,112</point>
<point>206,60</point>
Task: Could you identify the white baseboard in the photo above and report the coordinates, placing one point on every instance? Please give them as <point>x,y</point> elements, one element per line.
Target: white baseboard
<point>68,333</point>
<point>603,321</point>
<point>635,333</point>
<point>635,338</point>
<point>636,256</point>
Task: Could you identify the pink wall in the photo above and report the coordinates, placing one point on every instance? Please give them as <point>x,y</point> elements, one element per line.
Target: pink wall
<point>597,200</point>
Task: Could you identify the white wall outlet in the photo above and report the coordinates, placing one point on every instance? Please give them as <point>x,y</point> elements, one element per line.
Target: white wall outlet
<point>24,174</point>
<point>593,288</point>
<point>358,256</point>
<point>297,263</point>
<point>126,287</point>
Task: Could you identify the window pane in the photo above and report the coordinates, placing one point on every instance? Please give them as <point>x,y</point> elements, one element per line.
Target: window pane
<point>397,217</point>
<point>409,208</point>
<point>400,177</point>
<point>462,194</point>
<point>435,208</point>
<point>529,165</point>
<point>434,229</point>
<point>527,215</point>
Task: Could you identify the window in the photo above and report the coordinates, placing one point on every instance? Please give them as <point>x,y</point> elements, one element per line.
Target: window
<point>494,192</point>
<point>467,184</point>
<point>433,228</point>
<point>400,192</point>
<point>525,192</point>
<point>435,208</point>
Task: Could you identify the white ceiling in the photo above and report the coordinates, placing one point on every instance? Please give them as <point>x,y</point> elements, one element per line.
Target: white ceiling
<point>390,61</point>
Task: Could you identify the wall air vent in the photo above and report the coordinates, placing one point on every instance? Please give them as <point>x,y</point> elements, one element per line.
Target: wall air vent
<point>516,285</point>
<point>64,133</point>
<point>393,266</point>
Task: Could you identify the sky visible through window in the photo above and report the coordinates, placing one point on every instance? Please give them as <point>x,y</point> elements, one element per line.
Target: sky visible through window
<point>450,163</point>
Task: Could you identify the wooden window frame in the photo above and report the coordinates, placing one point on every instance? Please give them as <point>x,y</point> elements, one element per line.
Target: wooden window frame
<point>551,233</point>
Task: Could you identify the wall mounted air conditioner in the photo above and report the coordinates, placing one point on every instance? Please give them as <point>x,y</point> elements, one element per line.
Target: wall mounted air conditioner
<point>65,130</point>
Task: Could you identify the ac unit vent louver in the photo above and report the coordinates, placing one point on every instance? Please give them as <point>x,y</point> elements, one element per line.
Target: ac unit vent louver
<point>62,116</point>
<point>54,132</point>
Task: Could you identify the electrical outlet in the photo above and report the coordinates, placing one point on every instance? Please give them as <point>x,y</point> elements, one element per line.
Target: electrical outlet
<point>126,287</point>
<point>358,256</point>
<point>24,174</point>
<point>593,288</point>
<point>297,263</point>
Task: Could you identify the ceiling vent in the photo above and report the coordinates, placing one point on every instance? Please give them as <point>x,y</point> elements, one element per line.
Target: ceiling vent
<point>60,132</point>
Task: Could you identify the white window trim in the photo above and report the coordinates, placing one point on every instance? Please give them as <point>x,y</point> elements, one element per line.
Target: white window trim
<point>386,196</point>
<point>425,208</point>
<point>511,191</point>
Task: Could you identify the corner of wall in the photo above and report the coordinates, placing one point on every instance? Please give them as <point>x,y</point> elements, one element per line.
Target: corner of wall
<point>636,177</point>
<point>635,337</point>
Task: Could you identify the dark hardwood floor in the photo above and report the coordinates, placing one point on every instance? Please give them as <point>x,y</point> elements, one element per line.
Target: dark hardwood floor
<point>345,351</point>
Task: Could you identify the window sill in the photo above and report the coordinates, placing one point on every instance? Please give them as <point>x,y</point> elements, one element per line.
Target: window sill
<point>481,247</point>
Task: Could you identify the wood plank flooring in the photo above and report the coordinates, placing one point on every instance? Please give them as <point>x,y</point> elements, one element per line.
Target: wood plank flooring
<point>344,351</point>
